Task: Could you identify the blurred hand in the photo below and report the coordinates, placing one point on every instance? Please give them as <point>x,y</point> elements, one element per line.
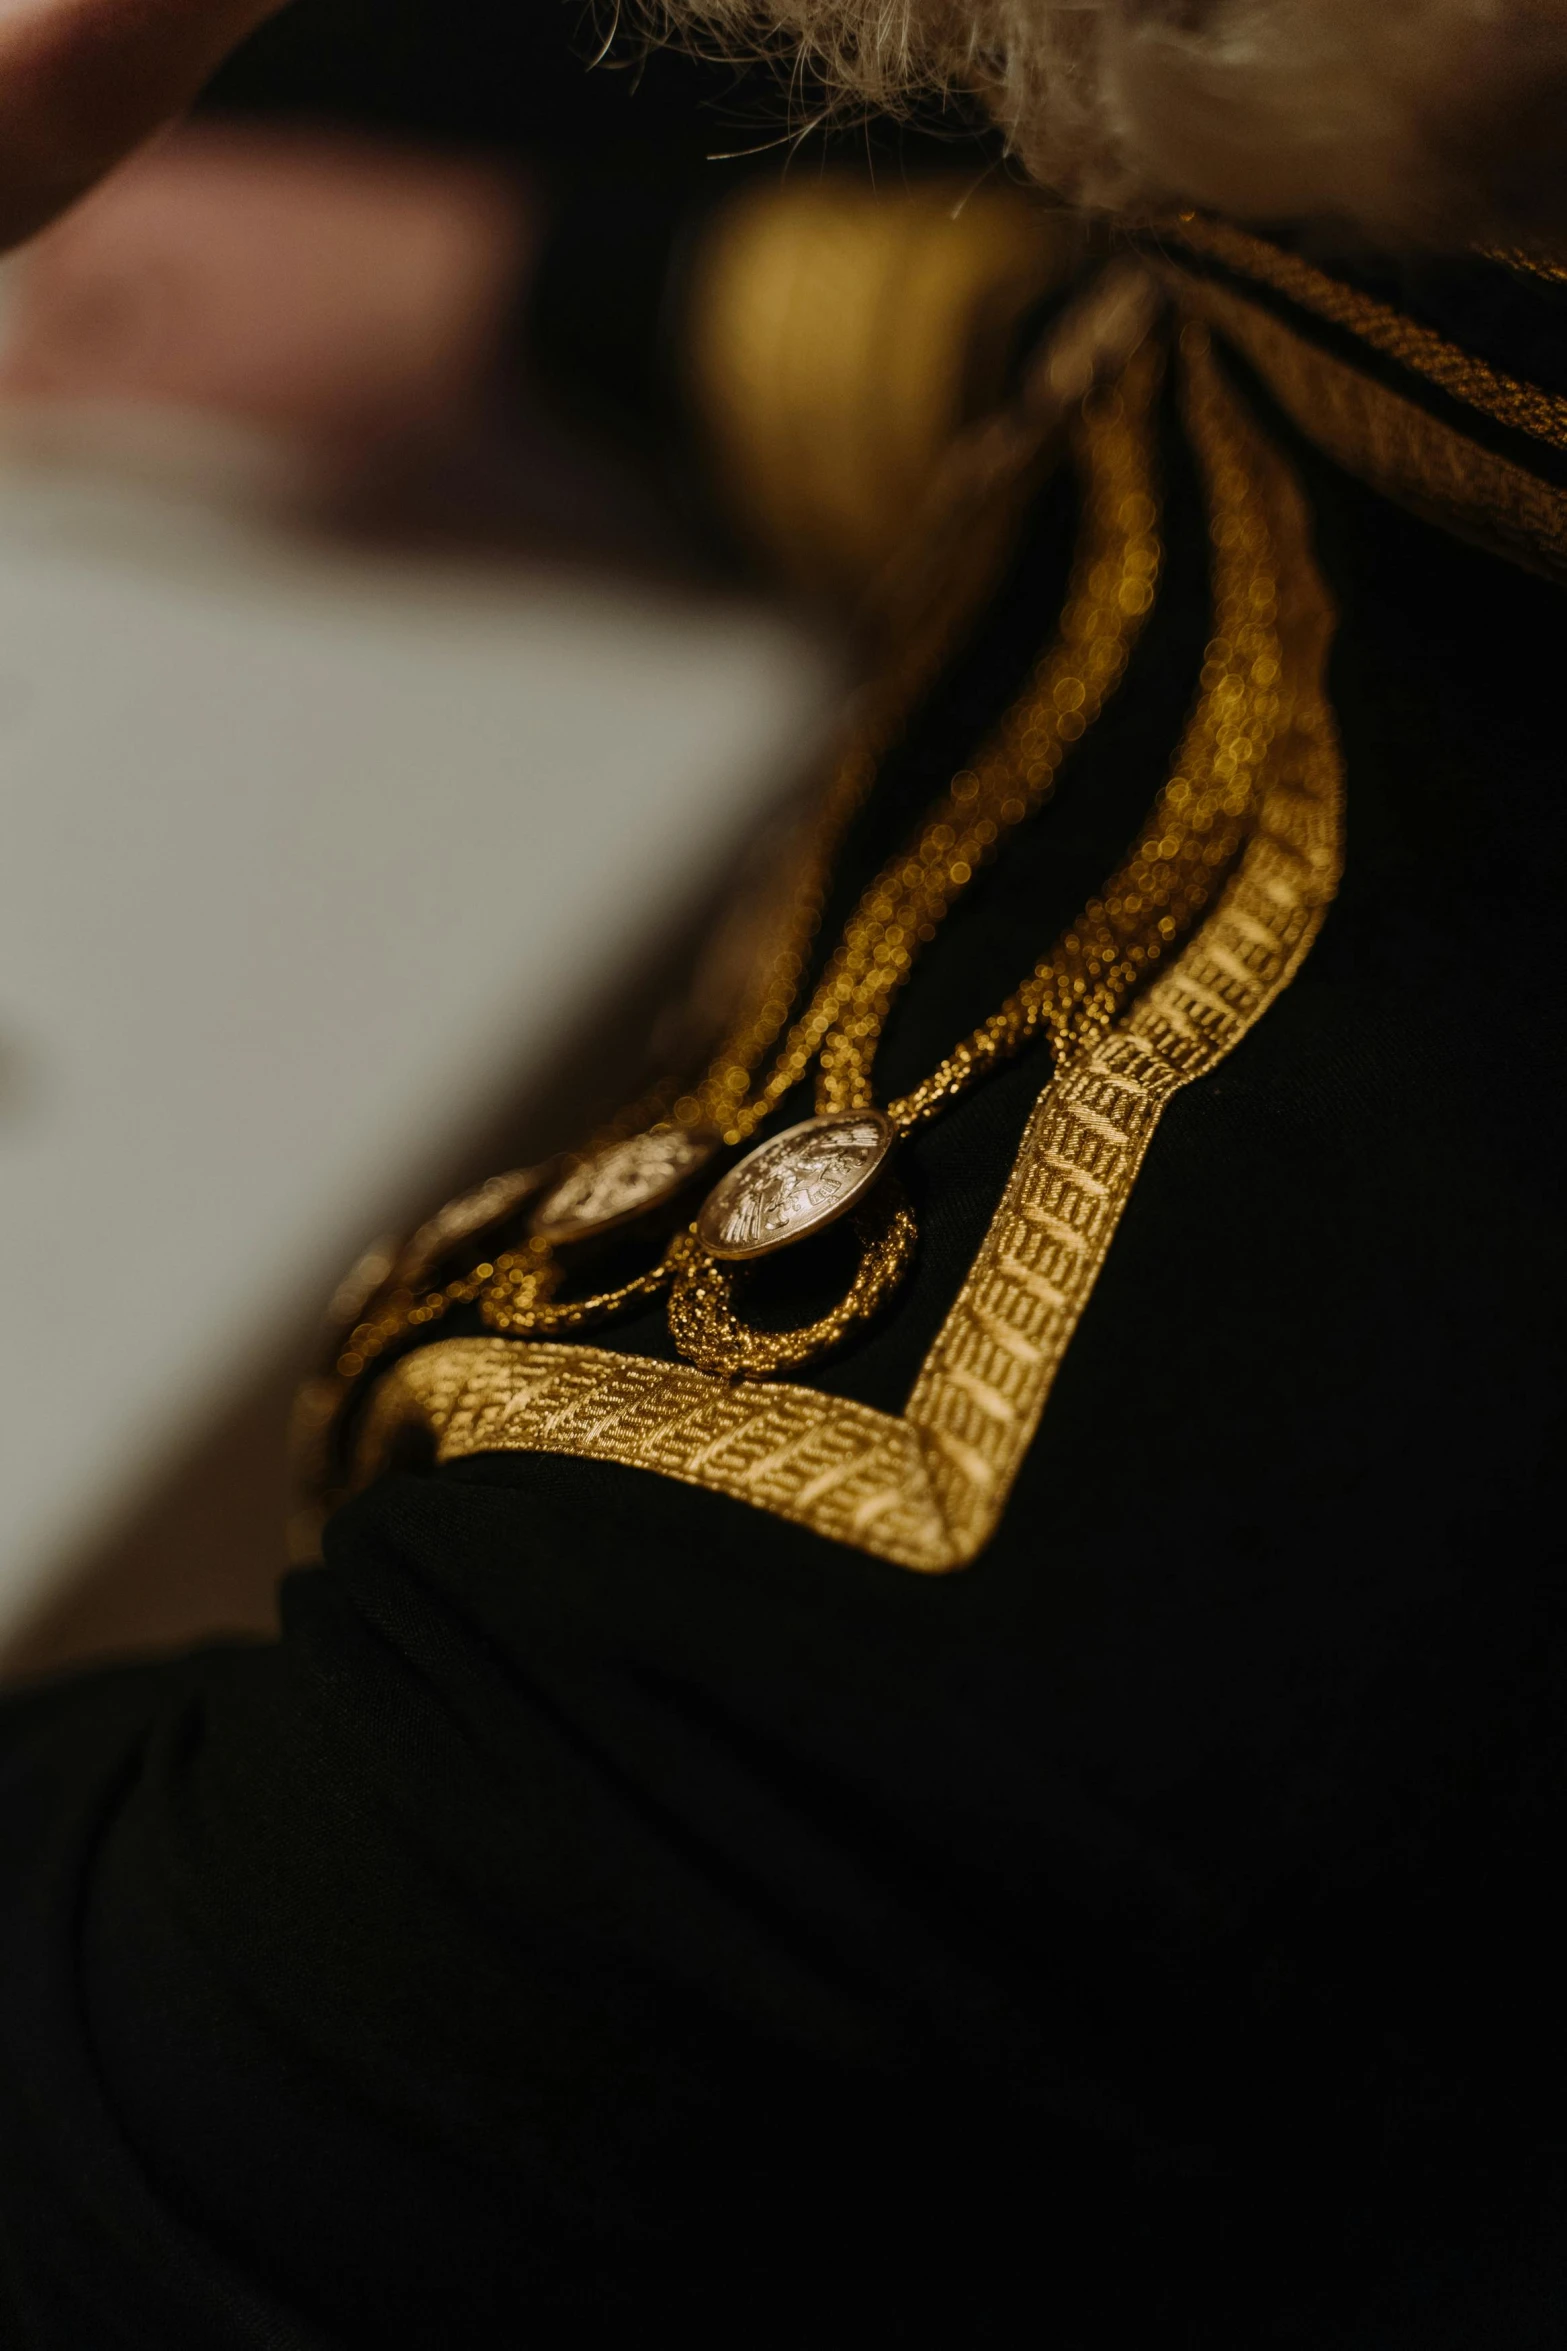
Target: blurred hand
<point>346,295</point>
<point>82,82</point>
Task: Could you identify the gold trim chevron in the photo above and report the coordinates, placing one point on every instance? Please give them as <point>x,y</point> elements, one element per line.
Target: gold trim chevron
<point>925,1489</point>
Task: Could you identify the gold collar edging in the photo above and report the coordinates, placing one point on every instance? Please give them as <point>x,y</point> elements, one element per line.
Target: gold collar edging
<point>925,1489</point>
<point>1507,400</point>
<point>1389,442</point>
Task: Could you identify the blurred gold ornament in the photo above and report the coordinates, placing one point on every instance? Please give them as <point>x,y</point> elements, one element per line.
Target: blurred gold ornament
<point>622,1183</point>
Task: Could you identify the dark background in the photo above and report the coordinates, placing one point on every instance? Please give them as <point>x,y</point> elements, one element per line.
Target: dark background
<point>515,74</point>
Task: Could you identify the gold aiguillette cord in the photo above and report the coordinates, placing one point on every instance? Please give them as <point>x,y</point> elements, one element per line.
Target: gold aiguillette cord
<point>389,1296</point>
<point>1188,842</point>
<point>1183,851</point>
<point>1112,589</point>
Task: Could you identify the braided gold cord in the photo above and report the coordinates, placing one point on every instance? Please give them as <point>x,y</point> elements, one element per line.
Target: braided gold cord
<point>1200,817</point>
<point>400,1309</point>
<point>1523,406</point>
<point>716,1100</point>
<point>1112,590</point>
<point>781,965</point>
<point>395,1298</point>
<point>710,1333</point>
<point>517,1297</point>
<point>935,612</point>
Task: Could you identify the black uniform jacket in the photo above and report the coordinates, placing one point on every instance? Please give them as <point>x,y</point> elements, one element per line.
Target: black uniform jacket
<point>618,1902</point>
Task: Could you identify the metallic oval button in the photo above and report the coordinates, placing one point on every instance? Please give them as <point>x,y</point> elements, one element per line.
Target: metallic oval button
<point>622,1183</point>
<point>795,1184</point>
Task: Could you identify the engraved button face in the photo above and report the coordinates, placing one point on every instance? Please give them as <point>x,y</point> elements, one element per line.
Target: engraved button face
<point>795,1184</point>
<point>621,1183</point>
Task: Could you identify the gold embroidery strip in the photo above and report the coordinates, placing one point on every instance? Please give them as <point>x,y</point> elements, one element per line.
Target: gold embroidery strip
<point>1391,442</point>
<point>1502,397</point>
<point>925,1489</point>
<point>847,1472</point>
<point>984,1385</point>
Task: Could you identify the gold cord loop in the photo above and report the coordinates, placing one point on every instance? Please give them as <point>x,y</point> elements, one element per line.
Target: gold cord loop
<point>709,1332</point>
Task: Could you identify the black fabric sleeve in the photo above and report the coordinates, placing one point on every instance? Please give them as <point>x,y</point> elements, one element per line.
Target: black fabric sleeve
<point>544,1932</point>
<point>604,1905</point>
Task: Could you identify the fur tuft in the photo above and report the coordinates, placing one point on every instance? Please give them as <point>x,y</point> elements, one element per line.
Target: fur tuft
<point>1416,121</point>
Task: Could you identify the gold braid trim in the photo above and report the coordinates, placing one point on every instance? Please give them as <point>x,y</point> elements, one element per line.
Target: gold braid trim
<point>925,1489</point>
<point>1390,442</point>
<point>1504,398</point>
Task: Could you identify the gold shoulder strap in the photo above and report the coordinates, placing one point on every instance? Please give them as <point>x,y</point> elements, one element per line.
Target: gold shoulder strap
<point>925,1488</point>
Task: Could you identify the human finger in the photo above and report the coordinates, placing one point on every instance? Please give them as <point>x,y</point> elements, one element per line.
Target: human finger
<point>82,82</point>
